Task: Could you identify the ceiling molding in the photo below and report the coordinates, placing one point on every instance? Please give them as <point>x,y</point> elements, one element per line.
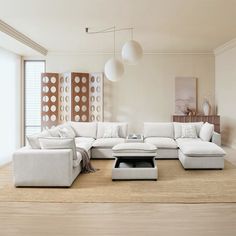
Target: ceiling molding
<point>69,53</point>
<point>7,29</point>
<point>226,46</point>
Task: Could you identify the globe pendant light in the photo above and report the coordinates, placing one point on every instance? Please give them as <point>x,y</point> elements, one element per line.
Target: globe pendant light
<point>132,52</point>
<point>114,69</point>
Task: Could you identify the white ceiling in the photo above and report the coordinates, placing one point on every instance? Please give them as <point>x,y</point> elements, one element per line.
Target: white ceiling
<point>160,25</point>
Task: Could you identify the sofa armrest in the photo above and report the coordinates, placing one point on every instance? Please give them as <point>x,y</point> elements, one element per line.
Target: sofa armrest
<point>216,138</point>
<point>37,167</point>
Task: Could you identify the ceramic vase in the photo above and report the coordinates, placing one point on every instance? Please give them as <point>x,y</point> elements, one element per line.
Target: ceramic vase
<point>206,108</point>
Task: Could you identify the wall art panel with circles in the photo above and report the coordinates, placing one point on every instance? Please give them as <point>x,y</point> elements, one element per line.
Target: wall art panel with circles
<point>65,97</point>
<point>49,100</point>
<point>71,96</point>
<point>80,97</point>
<point>96,97</point>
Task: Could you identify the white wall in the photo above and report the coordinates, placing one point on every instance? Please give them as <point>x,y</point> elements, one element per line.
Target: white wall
<point>147,91</point>
<point>225,66</point>
<point>10,129</point>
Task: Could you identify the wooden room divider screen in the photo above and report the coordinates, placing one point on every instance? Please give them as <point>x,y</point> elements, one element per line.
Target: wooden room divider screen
<point>72,96</point>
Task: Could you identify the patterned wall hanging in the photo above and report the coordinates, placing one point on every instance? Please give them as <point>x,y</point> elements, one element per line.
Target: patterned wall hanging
<point>49,95</point>
<point>96,97</point>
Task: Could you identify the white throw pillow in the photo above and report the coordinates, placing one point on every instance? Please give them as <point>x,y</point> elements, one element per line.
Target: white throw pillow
<point>111,131</point>
<point>54,132</point>
<point>178,128</point>
<point>66,132</point>
<point>58,143</point>
<point>188,131</point>
<point>206,132</point>
<point>33,139</point>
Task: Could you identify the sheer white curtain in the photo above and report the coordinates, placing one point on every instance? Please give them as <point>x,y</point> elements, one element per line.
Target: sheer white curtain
<point>10,104</point>
<point>33,70</point>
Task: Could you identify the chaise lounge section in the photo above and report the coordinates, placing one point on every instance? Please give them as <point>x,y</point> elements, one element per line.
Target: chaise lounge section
<point>201,152</point>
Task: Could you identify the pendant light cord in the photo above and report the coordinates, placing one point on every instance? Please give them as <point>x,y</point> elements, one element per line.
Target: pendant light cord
<point>107,30</point>
<point>114,42</point>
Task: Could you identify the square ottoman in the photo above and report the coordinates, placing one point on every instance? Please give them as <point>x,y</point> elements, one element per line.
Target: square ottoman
<point>134,161</point>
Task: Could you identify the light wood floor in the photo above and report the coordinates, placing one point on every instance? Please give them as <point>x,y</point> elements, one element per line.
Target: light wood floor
<point>39,219</point>
<point>27,219</point>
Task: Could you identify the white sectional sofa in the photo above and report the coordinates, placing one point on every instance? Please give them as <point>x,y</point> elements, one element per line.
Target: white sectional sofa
<point>34,166</point>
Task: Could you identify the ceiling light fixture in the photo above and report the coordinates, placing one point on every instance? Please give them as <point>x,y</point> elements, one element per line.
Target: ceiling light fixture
<point>131,53</point>
<point>114,68</point>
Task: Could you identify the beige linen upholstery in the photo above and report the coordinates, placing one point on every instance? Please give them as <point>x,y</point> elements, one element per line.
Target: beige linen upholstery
<point>199,149</point>
<point>134,147</point>
<point>158,129</point>
<point>159,142</point>
<point>107,142</point>
<point>37,167</point>
<point>178,128</point>
<point>101,127</point>
<point>203,162</point>
<point>85,143</point>
<point>85,129</point>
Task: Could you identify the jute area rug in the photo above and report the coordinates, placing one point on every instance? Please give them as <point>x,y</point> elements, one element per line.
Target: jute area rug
<point>174,185</point>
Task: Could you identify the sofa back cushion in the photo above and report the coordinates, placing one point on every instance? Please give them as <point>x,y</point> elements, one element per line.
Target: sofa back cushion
<point>158,129</point>
<point>84,129</point>
<point>33,139</point>
<point>103,126</point>
<point>59,143</point>
<point>54,132</point>
<point>178,128</point>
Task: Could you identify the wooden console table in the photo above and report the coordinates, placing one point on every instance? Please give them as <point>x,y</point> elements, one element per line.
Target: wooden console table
<point>215,120</point>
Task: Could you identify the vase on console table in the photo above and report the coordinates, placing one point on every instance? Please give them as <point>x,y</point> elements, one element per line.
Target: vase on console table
<point>206,108</point>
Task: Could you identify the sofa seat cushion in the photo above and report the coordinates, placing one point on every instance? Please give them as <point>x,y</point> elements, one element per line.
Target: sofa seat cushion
<point>201,149</point>
<point>84,142</point>
<point>107,142</point>
<point>162,142</point>
<point>134,148</point>
<point>180,141</point>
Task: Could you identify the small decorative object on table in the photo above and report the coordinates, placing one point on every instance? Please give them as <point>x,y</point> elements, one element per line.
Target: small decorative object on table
<point>133,138</point>
<point>206,107</point>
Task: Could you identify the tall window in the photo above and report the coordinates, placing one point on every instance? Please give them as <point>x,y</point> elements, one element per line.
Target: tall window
<point>33,70</point>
